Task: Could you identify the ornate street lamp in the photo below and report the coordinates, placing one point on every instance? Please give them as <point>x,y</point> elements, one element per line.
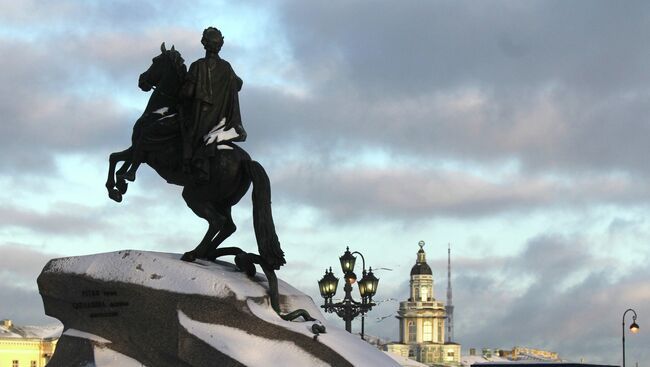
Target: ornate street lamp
<point>368,285</point>
<point>328,284</point>
<point>634,328</point>
<point>347,261</point>
<point>348,308</point>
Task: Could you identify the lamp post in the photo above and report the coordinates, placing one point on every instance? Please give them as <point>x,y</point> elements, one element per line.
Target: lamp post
<point>348,308</point>
<point>634,328</point>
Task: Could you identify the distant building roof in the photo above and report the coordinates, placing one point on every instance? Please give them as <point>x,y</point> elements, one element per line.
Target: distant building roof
<point>9,330</point>
<point>540,364</point>
<point>496,361</point>
<point>472,360</point>
<point>421,269</point>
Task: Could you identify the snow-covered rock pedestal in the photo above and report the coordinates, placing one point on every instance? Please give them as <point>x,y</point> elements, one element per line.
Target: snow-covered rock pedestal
<point>137,308</point>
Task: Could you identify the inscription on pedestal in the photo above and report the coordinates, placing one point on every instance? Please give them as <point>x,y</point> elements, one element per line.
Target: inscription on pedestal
<point>100,303</point>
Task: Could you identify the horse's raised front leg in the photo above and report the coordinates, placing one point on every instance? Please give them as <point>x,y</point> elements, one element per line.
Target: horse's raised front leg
<point>121,183</point>
<point>113,159</point>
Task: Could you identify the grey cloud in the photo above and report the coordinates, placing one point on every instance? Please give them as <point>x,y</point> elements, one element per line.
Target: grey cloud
<point>68,219</point>
<point>23,261</point>
<point>29,16</point>
<point>571,110</point>
<point>551,258</point>
<point>117,57</point>
<point>553,129</point>
<point>42,116</point>
<point>388,193</point>
<point>23,306</point>
<point>417,46</point>
<point>556,86</point>
<point>621,225</point>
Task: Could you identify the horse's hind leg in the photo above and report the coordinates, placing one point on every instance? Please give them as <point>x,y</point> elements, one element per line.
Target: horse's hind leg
<point>227,229</point>
<point>207,211</point>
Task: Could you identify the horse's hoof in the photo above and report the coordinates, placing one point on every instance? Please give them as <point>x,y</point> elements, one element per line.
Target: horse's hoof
<point>245,264</point>
<point>130,176</point>
<point>115,195</point>
<point>121,186</point>
<point>188,256</point>
<point>211,258</point>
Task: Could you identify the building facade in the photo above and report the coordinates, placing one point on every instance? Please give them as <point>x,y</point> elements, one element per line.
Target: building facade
<point>25,347</point>
<point>422,321</point>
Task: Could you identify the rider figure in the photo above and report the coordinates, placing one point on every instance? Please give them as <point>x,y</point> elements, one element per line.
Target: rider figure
<point>210,93</point>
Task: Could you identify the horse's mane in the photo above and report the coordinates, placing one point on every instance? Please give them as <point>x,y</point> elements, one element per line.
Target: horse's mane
<point>178,63</point>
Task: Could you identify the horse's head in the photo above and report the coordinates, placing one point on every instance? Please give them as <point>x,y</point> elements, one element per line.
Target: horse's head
<point>167,71</point>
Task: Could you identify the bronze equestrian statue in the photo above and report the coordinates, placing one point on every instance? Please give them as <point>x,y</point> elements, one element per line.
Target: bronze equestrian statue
<point>187,134</point>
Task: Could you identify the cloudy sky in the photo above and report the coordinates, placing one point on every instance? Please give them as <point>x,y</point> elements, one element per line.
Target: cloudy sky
<point>516,131</point>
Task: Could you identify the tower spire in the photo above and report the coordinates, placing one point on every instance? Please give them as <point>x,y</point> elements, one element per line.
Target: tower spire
<point>449,308</point>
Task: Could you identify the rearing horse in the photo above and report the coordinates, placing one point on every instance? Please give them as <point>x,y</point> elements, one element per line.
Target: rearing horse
<point>158,134</point>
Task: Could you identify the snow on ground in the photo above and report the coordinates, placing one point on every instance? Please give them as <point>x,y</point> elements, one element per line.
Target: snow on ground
<point>350,346</point>
<point>82,334</point>
<point>251,350</point>
<point>105,357</point>
<point>155,270</point>
<point>405,362</point>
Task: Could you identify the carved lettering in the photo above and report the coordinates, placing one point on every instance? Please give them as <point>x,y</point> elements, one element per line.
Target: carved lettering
<point>104,314</point>
<point>93,304</point>
<point>97,304</point>
<point>119,304</point>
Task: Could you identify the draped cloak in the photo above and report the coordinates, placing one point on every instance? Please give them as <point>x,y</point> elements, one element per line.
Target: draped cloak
<point>211,89</point>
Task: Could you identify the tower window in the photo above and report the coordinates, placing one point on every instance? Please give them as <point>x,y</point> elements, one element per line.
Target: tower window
<point>424,293</point>
<point>427,333</point>
<point>411,325</point>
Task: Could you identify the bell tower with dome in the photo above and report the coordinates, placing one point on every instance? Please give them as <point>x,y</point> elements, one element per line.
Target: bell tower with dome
<point>421,278</point>
<point>422,321</point>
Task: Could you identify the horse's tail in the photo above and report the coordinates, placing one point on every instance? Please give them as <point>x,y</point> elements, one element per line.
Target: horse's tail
<point>267,240</point>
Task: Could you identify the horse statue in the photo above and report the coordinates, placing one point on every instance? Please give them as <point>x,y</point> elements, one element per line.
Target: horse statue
<point>157,136</point>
